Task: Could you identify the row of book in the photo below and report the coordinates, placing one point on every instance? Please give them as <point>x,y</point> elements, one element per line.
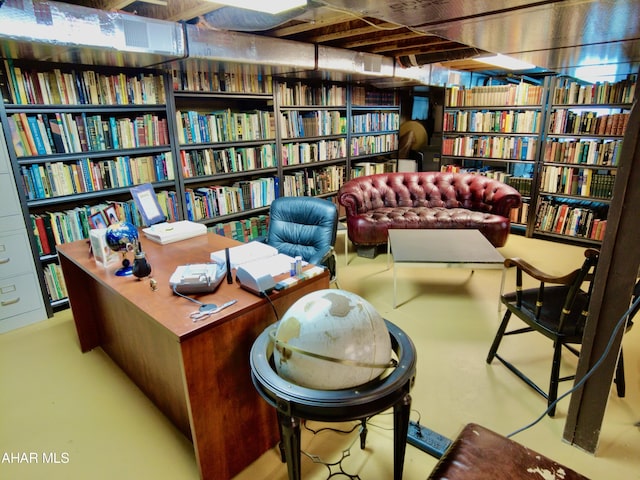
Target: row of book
<point>234,78</point>
<point>374,144</point>
<point>494,95</point>
<point>499,121</point>
<point>215,200</point>
<point>60,133</point>
<point>299,153</point>
<point>372,97</point>
<point>486,146</point>
<point>583,182</point>
<point>225,126</point>
<point>56,228</point>
<point>245,230</point>
<point>309,95</point>
<point>520,183</point>
<point>196,163</point>
<point>55,179</point>
<point>54,281</point>
<point>570,220</point>
<point>362,169</point>
<point>296,124</point>
<point>569,92</point>
<point>314,182</point>
<point>520,214</point>
<point>589,152</point>
<point>86,87</point>
<point>563,121</point>
<point>375,122</point>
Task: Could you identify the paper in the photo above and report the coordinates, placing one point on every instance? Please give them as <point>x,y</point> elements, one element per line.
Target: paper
<point>247,252</point>
<point>164,233</point>
<point>274,265</point>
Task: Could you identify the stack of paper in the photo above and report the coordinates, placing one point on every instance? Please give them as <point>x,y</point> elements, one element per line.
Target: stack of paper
<point>245,253</point>
<point>164,233</point>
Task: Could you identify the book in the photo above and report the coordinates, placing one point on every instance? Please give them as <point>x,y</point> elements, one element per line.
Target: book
<point>5,86</point>
<point>35,131</point>
<point>58,134</point>
<point>16,138</point>
<point>42,234</point>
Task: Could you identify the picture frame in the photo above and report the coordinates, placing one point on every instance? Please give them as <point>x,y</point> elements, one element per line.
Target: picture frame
<point>147,203</point>
<point>111,215</point>
<point>98,220</point>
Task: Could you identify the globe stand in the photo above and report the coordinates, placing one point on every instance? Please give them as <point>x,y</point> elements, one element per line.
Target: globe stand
<point>126,269</point>
<point>293,402</point>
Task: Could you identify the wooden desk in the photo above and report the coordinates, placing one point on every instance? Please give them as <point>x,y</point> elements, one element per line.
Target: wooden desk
<point>197,374</point>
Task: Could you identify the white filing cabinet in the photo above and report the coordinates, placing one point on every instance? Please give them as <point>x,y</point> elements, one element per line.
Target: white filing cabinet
<point>21,301</point>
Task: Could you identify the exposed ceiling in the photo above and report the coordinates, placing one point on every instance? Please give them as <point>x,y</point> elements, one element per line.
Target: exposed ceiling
<point>561,36</point>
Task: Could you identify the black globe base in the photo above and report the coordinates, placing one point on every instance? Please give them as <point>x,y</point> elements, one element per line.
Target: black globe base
<point>294,403</point>
<point>125,270</point>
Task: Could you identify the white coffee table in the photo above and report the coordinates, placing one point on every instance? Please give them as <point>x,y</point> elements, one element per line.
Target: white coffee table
<point>440,248</point>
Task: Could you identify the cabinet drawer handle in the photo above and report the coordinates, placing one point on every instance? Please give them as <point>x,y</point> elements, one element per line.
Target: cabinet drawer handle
<point>4,260</point>
<point>6,303</point>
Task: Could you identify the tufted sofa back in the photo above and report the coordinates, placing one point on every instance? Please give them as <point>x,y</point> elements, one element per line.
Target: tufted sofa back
<point>428,189</point>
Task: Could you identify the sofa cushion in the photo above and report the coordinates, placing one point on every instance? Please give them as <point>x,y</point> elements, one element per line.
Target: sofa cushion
<point>371,227</point>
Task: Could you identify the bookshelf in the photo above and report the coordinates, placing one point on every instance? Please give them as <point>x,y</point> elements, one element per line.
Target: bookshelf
<point>78,139</point>
<point>313,131</point>
<point>226,133</point>
<point>496,131</point>
<point>373,134</point>
<point>583,139</point>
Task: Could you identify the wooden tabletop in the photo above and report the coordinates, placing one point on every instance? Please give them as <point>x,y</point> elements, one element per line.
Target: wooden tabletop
<point>170,310</point>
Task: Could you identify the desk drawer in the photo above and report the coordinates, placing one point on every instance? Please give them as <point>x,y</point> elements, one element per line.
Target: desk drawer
<point>15,255</point>
<point>18,295</point>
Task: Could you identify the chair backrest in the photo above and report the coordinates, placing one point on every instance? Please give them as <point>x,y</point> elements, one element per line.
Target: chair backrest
<point>586,274</point>
<point>304,226</point>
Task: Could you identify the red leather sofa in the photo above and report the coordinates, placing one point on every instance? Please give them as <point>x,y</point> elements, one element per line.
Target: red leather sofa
<point>376,203</point>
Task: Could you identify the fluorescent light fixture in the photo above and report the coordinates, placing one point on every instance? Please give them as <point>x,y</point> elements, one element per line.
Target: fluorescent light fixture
<point>503,61</point>
<point>264,6</point>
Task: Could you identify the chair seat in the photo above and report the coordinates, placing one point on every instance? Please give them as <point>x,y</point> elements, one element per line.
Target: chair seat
<point>557,308</point>
<point>480,454</point>
<point>554,298</point>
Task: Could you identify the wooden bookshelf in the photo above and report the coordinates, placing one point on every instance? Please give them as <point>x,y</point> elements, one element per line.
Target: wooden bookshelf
<point>79,138</point>
<point>584,134</point>
<point>496,131</point>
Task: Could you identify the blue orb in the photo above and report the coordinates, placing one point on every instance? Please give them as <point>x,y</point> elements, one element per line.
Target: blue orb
<point>122,237</point>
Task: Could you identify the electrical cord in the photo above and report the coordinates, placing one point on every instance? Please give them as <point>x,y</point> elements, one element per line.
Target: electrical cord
<point>590,372</point>
<point>275,312</point>
<point>189,298</point>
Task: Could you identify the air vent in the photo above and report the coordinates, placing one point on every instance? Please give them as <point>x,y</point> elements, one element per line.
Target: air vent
<point>135,34</point>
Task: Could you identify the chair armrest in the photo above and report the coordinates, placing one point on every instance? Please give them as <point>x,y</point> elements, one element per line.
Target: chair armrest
<point>538,274</point>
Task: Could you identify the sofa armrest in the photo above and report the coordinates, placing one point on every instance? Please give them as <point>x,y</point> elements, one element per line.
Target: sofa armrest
<point>491,195</point>
<point>351,199</point>
<point>504,199</point>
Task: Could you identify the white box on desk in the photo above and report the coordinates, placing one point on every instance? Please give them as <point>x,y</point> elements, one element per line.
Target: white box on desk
<point>102,254</point>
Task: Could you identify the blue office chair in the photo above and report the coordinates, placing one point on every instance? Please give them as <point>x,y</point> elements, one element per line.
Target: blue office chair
<point>305,227</point>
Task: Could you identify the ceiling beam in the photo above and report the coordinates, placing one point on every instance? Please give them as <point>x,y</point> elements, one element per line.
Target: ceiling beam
<point>122,4</point>
<point>389,39</point>
<point>305,26</point>
<point>171,10</point>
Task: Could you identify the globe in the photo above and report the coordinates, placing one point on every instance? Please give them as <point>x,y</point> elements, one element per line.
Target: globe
<point>122,237</point>
<point>331,339</point>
